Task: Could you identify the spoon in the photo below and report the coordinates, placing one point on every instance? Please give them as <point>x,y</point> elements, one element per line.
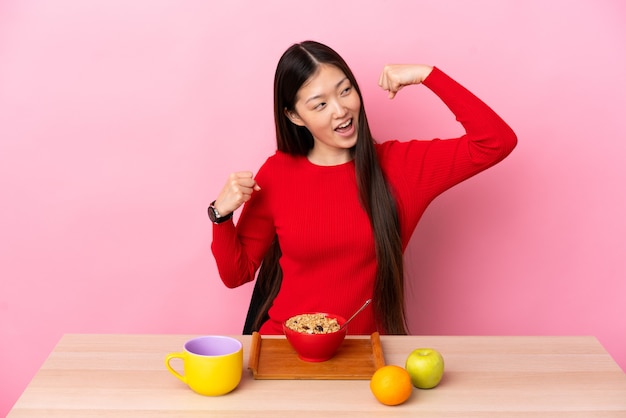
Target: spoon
<point>367,302</point>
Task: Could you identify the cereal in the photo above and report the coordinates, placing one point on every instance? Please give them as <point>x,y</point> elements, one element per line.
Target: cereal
<point>313,324</point>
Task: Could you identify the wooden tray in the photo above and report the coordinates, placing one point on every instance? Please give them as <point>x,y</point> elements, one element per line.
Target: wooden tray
<point>356,359</point>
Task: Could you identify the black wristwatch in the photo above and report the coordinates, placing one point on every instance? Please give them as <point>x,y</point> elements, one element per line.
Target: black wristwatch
<point>215,216</point>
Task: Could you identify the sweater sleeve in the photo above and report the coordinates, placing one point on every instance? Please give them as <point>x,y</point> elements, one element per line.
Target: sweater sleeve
<point>239,250</point>
<point>421,170</point>
<point>489,138</point>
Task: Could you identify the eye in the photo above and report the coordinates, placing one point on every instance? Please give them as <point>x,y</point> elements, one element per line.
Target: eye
<point>319,106</point>
<point>346,91</point>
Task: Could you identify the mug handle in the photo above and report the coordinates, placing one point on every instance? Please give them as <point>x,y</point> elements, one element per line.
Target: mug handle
<point>171,356</point>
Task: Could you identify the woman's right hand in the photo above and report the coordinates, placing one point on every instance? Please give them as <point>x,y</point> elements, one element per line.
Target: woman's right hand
<point>237,190</point>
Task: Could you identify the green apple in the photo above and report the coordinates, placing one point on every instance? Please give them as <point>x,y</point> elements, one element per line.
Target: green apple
<point>425,365</point>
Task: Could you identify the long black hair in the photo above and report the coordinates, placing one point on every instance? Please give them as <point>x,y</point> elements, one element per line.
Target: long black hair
<point>295,67</point>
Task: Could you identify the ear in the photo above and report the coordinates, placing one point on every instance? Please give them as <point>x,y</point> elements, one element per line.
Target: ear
<point>293,116</point>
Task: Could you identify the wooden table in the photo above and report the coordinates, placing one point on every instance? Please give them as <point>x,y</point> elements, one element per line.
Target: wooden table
<point>125,376</point>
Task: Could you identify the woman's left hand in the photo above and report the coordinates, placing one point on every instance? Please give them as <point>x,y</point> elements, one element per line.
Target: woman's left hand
<point>396,76</point>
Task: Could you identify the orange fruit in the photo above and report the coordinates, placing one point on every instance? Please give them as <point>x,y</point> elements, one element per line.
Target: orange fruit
<point>391,385</point>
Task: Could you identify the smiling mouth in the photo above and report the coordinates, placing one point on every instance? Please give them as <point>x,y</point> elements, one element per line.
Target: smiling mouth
<point>344,126</point>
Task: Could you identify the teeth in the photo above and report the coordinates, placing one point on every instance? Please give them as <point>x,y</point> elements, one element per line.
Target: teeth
<point>345,125</point>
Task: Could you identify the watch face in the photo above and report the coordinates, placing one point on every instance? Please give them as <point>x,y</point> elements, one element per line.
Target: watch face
<point>212,215</point>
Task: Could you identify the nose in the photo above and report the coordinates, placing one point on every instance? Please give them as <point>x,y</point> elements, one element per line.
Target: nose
<point>339,109</point>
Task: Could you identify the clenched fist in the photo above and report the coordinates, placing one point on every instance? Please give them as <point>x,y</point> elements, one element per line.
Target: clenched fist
<point>396,76</point>
<point>237,190</point>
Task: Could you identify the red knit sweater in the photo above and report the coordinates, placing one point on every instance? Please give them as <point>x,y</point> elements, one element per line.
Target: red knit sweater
<point>329,260</point>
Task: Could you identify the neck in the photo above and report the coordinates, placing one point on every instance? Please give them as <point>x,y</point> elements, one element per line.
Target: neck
<point>329,159</point>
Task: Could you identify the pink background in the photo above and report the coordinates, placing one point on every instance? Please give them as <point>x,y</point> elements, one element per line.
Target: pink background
<point>119,122</point>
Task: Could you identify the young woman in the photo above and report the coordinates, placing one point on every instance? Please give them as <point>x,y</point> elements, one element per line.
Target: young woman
<point>328,216</point>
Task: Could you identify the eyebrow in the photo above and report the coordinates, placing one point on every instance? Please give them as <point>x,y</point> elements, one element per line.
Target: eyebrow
<point>317,96</point>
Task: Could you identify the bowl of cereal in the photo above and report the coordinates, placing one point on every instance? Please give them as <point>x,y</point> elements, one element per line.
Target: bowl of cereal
<point>315,336</point>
